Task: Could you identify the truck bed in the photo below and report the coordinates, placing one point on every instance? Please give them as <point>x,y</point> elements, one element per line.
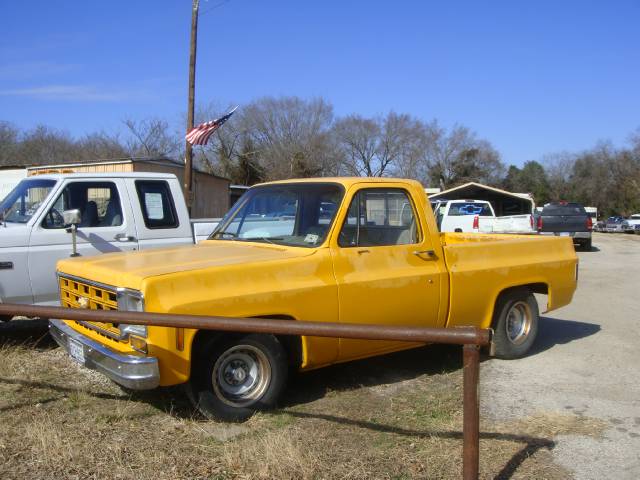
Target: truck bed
<point>482,265</point>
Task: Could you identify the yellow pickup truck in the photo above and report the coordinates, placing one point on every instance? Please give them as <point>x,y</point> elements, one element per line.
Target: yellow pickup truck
<point>353,250</point>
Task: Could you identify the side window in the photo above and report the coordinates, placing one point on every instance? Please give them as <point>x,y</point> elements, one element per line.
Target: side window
<point>98,202</point>
<point>156,203</point>
<point>379,217</point>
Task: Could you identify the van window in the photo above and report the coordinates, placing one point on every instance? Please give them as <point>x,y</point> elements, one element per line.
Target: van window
<point>156,203</point>
<point>98,202</point>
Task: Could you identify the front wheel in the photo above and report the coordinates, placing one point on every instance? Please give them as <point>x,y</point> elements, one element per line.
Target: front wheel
<point>5,318</point>
<point>233,377</point>
<point>515,323</point>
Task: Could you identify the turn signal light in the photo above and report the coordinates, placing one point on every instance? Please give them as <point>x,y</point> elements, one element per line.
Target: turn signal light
<point>476,222</point>
<point>539,223</point>
<point>589,223</point>
<point>138,344</point>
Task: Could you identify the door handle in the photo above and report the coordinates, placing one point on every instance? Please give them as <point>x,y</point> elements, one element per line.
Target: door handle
<point>428,253</point>
<point>123,237</point>
<point>364,250</point>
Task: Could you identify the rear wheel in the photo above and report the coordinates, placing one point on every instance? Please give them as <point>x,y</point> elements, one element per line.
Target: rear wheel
<point>233,377</point>
<point>5,318</point>
<point>586,246</point>
<point>515,323</point>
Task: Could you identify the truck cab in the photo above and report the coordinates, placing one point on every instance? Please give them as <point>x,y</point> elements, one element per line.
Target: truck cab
<point>118,212</point>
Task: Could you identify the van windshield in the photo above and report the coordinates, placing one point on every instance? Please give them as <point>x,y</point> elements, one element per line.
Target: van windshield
<point>24,200</point>
<point>292,214</point>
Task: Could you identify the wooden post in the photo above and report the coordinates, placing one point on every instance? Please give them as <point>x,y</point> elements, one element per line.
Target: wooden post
<point>188,161</point>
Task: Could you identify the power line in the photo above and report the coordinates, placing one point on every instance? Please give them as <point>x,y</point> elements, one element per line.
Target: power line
<point>213,7</point>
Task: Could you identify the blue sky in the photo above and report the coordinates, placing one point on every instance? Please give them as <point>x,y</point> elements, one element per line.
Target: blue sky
<point>531,77</point>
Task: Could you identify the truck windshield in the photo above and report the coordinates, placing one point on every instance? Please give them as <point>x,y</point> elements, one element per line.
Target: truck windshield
<point>289,214</point>
<point>23,201</point>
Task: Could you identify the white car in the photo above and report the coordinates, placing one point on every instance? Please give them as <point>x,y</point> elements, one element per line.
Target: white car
<point>112,212</point>
<point>629,224</point>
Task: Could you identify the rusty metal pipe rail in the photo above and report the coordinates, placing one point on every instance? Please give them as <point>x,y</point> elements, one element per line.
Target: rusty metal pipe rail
<point>456,336</point>
<point>472,338</point>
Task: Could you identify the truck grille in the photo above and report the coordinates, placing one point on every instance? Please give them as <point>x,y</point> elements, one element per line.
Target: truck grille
<point>78,293</point>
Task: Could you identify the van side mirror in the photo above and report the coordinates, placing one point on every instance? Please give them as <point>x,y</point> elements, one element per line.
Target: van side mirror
<point>72,217</point>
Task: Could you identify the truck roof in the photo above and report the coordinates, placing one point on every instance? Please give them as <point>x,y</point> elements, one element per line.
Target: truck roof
<point>346,181</point>
<point>58,176</point>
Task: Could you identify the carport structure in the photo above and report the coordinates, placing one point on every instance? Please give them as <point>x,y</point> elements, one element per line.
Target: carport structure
<point>504,203</point>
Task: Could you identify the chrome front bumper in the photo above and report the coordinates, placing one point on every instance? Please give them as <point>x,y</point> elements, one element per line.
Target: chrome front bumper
<point>131,371</point>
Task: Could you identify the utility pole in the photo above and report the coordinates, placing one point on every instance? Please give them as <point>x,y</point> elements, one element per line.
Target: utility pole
<point>188,161</point>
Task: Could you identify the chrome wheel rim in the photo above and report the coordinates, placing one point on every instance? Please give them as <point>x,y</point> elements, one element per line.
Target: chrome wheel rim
<point>241,375</point>
<point>518,324</point>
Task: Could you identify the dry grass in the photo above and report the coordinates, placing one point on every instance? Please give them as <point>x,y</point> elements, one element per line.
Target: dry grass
<point>395,417</point>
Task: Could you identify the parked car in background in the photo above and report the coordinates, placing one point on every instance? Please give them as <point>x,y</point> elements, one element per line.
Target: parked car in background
<point>478,216</point>
<point>637,229</point>
<point>566,219</point>
<point>115,212</point>
<point>629,224</point>
<point>600,226</point>
<point>614,224</point>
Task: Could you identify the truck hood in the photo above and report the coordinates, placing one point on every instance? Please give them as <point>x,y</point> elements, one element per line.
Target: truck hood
<point>14,235</point>
<point>130,268</point>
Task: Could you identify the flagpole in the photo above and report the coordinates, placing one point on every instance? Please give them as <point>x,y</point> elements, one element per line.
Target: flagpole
<point>188,161</point>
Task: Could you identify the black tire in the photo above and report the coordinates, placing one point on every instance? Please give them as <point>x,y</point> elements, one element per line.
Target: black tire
<point>233,377</point>
<point>515,323</point>
<point>5,318</point>
<point>586,246</point>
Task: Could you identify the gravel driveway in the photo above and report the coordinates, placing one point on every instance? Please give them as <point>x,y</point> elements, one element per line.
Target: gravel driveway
<point>585,364</point>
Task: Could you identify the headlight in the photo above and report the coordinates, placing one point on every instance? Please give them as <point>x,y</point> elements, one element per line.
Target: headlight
<point>131,301</point>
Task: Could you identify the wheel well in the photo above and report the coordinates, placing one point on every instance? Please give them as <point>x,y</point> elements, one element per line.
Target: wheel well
<point>541,288</point>
<point>291,343</point>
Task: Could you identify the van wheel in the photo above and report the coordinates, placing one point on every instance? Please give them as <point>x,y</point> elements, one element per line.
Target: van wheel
<point>233,377</point>
<point>515,323</point>
<point>5,318</point>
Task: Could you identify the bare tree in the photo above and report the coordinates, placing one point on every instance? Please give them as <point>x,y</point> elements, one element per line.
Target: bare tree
<point>45,145</point>
<point>151,138</point>
<point>377,147</point>
<point>101,146</point>
<point>292,135</point>
<point>8,143</point>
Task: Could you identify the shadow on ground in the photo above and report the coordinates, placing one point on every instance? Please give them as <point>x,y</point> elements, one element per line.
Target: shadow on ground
<point>530,447</point>
<point>391,368</point>
<point>33,332</point>
<point>553,331</point>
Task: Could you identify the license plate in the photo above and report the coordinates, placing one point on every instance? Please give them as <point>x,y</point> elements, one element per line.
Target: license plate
<point>564,234</point>
<point>76,351</point>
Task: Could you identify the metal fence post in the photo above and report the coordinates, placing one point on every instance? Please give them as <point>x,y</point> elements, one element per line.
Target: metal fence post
<point>471,413</point>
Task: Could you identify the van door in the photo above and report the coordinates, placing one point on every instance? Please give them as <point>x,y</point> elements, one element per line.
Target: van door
<point>160,221</point>
<point>107,226</point>
<point>383,268</point>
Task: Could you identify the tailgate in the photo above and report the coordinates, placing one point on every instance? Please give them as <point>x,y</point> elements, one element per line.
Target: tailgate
<point>564,223</point>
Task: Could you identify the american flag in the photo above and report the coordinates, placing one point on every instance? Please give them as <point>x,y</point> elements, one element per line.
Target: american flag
<point>200,135</point>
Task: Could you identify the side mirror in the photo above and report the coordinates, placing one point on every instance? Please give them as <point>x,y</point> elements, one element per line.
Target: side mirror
<point>72,217</point>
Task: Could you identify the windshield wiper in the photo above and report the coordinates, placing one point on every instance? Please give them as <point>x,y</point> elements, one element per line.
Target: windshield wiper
<point>261,239</point>
<point>224,235</point>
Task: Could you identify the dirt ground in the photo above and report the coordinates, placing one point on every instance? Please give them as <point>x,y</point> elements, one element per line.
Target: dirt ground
<point>584,366</point>
<point>571,408</point>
